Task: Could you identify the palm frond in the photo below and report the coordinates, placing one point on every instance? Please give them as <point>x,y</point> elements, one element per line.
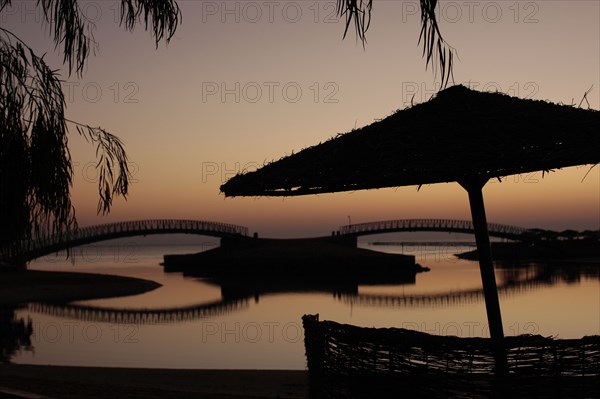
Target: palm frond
<point>163,15</point>
<point>358,11</point>
<point>72,31</point>
<point>4,4</point>
<point>113,169</point>
<point>69,29</point>
<point>436,51</point>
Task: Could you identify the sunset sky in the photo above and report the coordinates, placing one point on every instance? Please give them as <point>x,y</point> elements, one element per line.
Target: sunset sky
<point>244,82</point>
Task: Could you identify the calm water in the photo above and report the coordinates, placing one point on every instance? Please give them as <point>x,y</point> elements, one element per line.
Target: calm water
<point>192,323</point>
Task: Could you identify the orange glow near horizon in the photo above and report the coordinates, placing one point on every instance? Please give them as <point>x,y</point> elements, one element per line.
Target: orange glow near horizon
<point>558,201</point>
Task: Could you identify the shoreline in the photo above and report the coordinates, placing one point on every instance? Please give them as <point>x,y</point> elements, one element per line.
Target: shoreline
<point>21,286</point>
<point>565,251</point>
<point>101,382</point>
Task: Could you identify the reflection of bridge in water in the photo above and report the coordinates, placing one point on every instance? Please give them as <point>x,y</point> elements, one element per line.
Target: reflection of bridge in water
<point>236,296</point>
<point>91,234</point>
<point>439,300</point>
<point>140,316</point>
<point>517,281</point>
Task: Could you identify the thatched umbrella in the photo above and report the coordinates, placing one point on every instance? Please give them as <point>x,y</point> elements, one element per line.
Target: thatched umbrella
<point>460,135</point>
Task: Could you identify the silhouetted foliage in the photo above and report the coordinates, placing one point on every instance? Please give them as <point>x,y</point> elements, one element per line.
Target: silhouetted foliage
<point>436,51</point>
<point>568,234</point>
<point>437,141</point>
<point>15,334</point>
<point>35,163</point>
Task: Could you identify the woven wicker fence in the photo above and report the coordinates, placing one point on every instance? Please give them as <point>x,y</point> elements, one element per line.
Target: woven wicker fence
<point>350,361</point>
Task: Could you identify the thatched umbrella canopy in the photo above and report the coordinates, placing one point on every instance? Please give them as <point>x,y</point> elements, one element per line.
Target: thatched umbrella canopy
<point>460,135</point>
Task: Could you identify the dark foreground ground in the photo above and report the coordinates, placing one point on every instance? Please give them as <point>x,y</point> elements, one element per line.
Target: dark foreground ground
<point>95,382</point>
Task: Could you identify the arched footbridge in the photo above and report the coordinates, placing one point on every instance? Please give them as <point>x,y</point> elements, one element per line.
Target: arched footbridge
<point>91,234</point>
<point>446,225</point>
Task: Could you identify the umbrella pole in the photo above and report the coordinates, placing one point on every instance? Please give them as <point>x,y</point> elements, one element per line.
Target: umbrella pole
<point>486,268</point>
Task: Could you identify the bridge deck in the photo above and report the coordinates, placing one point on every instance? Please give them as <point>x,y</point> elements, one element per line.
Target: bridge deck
<point>447,225</point>
<point>87,235</point>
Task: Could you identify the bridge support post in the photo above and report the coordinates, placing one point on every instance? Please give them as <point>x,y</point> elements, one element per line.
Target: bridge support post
<point>474,188</point>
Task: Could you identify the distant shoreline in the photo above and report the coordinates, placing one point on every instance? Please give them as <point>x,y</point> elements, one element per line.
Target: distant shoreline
<point>426,243</point>
<point>554,251</point>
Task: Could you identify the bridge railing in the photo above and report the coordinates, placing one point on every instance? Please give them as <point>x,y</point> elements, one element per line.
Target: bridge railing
<point>141,226</point>
<point>423,224</point>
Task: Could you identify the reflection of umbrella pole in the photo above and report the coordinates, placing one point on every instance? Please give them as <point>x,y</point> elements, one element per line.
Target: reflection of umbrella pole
<point>474,188</point>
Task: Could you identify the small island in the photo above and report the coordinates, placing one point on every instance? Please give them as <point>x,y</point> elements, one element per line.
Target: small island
<point>538,244</point>
<point>320,259</point>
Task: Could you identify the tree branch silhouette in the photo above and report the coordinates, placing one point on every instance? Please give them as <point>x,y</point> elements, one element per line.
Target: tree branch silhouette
<point>35,163</point>
<point>437,52</point>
